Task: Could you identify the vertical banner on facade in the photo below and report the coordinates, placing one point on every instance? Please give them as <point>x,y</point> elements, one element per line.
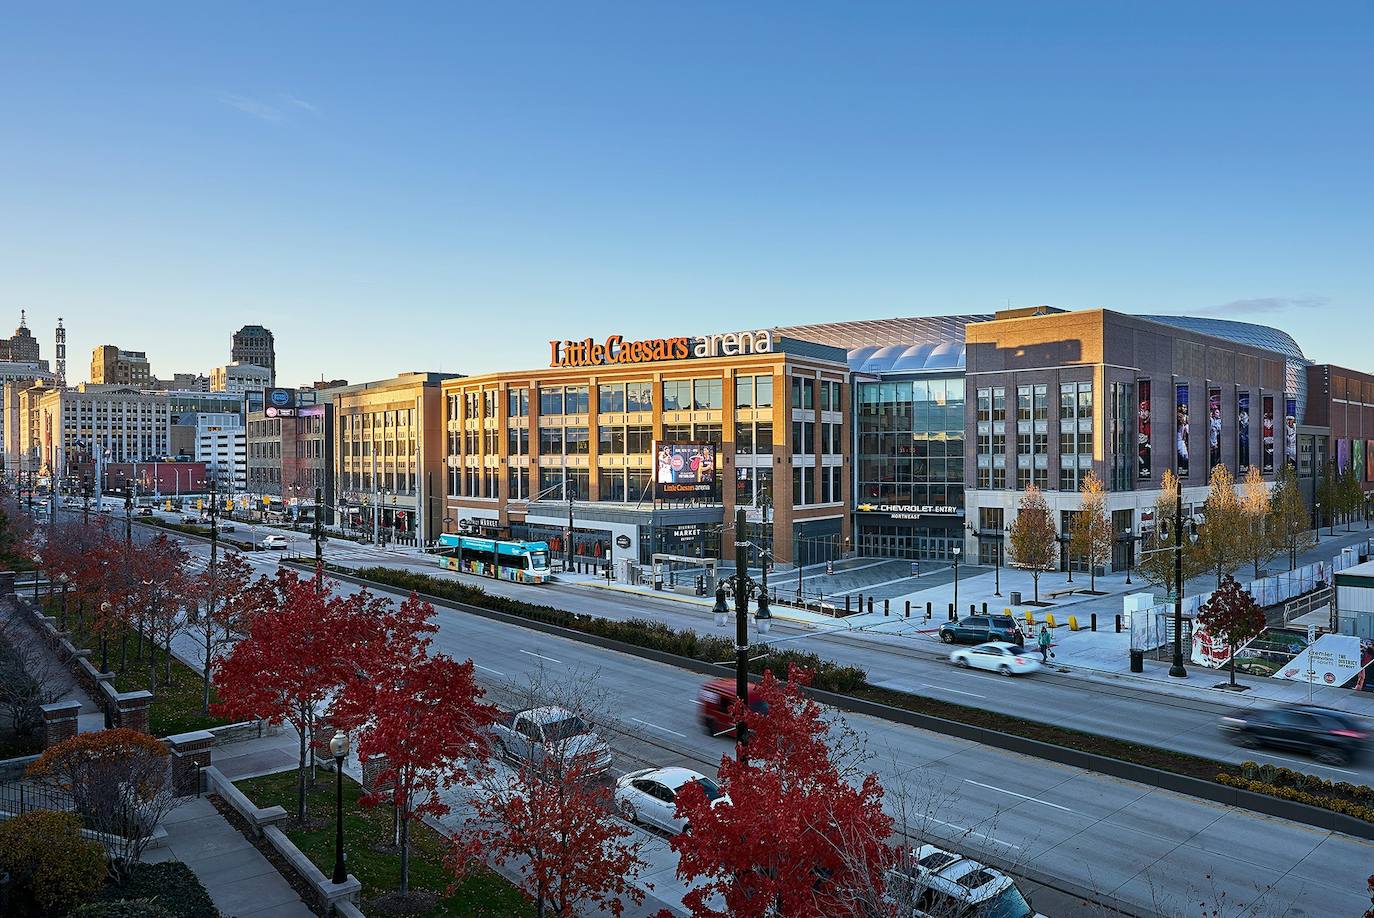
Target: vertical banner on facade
<point>1242,432</point>
<point>1181,430</point>
<point>1290,430</point>
<point>1369,463</point>
<point>1342,455</point>
<point>1357,458</point>
<point>1267,433</point>
<point>1213,428</point>
<point>1142,431</point>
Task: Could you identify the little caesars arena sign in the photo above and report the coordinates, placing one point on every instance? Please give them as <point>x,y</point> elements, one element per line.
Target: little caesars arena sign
<point>616,350</point>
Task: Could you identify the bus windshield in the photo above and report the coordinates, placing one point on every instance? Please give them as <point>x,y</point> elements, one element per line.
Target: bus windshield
<point>539,560</point>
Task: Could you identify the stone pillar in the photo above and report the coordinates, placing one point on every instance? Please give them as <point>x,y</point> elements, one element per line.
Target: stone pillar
<point>59,722</point>
<point>131,710</point>
<point>190,752</point>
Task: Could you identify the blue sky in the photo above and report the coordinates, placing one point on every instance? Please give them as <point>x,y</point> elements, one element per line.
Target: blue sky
<point>449,186</point>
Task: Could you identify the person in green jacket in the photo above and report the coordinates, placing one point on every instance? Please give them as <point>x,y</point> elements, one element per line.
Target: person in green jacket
<point>1043,639</point>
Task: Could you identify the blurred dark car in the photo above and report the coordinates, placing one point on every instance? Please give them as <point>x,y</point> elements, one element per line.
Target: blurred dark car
<point>714,701</point>
<point>1331,737</point>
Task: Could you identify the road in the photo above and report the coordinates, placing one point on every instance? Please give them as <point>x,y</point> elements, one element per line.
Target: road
<point>1156,851</point>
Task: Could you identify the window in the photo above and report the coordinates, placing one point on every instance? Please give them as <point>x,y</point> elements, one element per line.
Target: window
<point>550,401</point>
<point>639,396</point>
<point>744,439</point>
<point>706,433</point>
<point>576,441</point>
<point>675,433</point>
<point>639,439</point>
<point>763,392</point>
<point>830,396</point>
<point>575,400</point>
<point>831,490</point>
<point>803,437</point>
<point>611,398</point>
<point>803,393</point>
<point>744,391</point>
<point>706,394</point>
<point>1075,433</point>
<point>677,395</point>
<point>611,440</point>
<point>550,441</point>
<point>517,441</point>
<point>611,485</point>
<point>830,438</point>
<point>636,485</point>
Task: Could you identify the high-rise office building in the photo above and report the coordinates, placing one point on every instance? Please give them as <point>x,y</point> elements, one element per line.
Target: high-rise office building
<point>255,345</point>
<point>112,366</point>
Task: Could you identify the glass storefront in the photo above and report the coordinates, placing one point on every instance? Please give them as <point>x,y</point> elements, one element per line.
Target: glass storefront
<point>910,458</point>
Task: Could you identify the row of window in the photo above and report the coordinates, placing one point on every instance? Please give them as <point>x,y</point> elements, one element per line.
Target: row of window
<point>614,398</point>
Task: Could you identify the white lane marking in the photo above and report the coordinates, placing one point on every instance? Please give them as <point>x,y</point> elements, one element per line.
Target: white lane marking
<point>542,657</point>
<point>1344,771</point>
<point>657,727</point>
<point>488,669</point>
<point>953,825</point>
<point>942,688</point>
<point>1015,794</point>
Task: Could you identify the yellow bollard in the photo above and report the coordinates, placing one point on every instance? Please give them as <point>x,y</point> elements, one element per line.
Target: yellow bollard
<point>1073,622</point>
<point>1049,620</point>
<point>1030,619</point>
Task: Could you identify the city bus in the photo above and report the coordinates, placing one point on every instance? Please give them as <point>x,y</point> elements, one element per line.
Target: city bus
<point>522,562</point>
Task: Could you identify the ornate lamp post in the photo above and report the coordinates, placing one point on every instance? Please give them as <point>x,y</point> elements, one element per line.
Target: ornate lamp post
<point>957,552</point>
<point>64,579</point>
<point>338,747</point>
<point>37,562</point>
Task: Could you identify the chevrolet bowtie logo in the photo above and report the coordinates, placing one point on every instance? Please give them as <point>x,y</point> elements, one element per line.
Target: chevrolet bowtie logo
<point>864,507</point>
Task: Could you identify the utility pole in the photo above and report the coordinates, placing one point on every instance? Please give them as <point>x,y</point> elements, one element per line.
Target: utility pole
<point>129,512</point>
<point>1177,668</point>
<point>741,632</point>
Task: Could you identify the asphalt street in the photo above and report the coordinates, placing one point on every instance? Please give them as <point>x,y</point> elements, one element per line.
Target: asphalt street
<point>1156,851</point>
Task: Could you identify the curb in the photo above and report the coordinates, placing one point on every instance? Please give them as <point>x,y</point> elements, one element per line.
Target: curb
<point>1141,774</point>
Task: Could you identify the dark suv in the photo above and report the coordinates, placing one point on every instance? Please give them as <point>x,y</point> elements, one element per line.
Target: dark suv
<point>1330,736</point>
<point>978,629</point>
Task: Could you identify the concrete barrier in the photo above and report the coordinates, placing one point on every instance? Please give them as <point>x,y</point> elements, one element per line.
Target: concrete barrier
<point>257,817</point>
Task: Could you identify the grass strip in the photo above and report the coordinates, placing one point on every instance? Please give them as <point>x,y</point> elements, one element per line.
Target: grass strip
<point>373,857</point>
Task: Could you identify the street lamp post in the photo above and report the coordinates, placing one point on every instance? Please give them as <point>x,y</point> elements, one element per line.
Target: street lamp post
<point>319,553</point>
<point>1176,669</point>
<point>1128,538</point>
<point>338,747</point>
<point>37,561</point>
<point>104,641</point>
<point>63,579</point>
<point>956,579</point>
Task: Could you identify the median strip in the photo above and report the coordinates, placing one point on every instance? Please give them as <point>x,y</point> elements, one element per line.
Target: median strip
<point>847,688</point>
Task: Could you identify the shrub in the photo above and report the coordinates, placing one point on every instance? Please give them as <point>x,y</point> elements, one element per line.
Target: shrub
<point>122,908</point>
<point>825,675</point>
<point>171,886</point>
<point>52,866</point>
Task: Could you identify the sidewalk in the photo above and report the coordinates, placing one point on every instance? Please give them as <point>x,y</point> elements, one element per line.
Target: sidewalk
<point>239,879</point>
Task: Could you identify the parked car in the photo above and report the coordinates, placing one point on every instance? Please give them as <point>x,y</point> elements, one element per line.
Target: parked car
<point>930,882</point>
<point>650,795</point>
<point>273,541</point>
<point>552,737</point>
<point>145,511</point>
<point>715,699</point>
<point>996,656</point>
<point>189,519</point>
<point>1331,737</point>
<point>227,527</point>
<point>976,629</point>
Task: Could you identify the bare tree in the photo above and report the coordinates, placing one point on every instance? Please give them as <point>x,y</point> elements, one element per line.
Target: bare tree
<point>1091,530</point>
<point>1257,521</point>
<point>30,677</point>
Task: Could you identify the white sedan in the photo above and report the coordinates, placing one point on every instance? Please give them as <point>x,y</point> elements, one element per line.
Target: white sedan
<point>650,795</point>
<point>273,541</point>
<point>997,656</point>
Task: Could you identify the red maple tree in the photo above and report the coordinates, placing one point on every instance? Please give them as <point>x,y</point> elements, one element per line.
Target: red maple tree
<point>1232,615</point>
<point>794,838</point>
<point>552,821</point>
<point>164,589</point>
<point>302,647</point>
<point>421,715</point>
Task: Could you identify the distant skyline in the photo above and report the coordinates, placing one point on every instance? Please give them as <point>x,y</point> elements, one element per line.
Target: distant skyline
<point>449,187</point>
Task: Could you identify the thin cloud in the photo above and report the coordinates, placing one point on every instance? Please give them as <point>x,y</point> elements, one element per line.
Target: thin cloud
<point>1266,304</point>
<point>276,111</point>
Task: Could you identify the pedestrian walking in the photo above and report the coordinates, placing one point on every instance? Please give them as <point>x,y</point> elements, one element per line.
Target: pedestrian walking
<point>1043,639</point>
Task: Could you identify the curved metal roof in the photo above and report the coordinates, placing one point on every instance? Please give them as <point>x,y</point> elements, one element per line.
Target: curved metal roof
<point>912,344</point>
